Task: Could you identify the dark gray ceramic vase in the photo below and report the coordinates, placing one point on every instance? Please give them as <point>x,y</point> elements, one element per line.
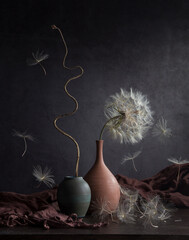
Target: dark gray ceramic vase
<point>74,196</point>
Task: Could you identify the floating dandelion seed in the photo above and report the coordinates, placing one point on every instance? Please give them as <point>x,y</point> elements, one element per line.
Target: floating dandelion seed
<point>178,162</point>
<point>129,116</point>
<point>161,130</point>
<point>131,157</point>
<point>38,57</point>
<point>43,176</point>
<point>25,136</point>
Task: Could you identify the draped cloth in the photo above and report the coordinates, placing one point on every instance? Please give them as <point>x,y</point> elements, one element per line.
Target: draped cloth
<point>41,209</point>
<point>164,184</point>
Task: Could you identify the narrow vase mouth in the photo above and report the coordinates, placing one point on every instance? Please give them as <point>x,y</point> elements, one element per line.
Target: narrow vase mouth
<point>72,177</point>
<point>100,140</point>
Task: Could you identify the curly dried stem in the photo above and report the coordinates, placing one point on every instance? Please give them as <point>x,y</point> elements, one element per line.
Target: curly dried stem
<point>75,101</point>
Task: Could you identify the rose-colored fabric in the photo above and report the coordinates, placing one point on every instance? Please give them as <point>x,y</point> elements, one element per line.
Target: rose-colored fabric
<point>36,209</point>
<point>164,184</point>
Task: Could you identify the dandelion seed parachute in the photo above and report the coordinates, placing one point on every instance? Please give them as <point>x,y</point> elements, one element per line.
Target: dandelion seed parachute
<point>161,131</point>
<point>25,136</point>
<point>131,157</point>
<point>38,57</point>
<point>178,162</point>
<point>43,176</point>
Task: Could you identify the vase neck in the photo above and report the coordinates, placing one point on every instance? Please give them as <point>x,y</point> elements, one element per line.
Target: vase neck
<point>99,151</point>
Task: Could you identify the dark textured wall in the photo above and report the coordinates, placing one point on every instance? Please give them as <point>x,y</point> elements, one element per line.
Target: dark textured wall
<point>119,43</point>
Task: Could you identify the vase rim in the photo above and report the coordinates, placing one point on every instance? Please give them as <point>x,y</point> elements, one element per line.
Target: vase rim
<point>100,140</point>
<point>72,177</point>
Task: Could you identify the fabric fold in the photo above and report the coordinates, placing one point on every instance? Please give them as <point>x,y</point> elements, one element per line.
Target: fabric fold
<point>164,184</point>
<point>39,209</point>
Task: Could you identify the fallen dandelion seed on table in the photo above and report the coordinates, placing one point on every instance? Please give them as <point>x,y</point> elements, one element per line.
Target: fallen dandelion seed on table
<point>101,210</point>
<point>178,220</point>
<point>155,211</point>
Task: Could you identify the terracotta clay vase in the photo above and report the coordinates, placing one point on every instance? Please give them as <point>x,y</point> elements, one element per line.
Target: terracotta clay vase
<point>104,186</point>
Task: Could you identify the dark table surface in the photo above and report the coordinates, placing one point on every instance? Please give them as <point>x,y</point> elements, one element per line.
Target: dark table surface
<point>177,228</point>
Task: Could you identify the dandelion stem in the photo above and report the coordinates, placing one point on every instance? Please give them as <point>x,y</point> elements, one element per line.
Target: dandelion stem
<point>178,175</point>
<point>38,185</point>
<point>43,68</point>
<point>134,164</point>
<point>75,101</point>
<point>39,64</point>
<point>102,131</point>
<point>25,146</point>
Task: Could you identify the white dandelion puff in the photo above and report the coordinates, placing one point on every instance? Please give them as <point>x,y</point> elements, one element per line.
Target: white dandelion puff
<point>178,162</point>
<point>161,131</point>
<point>38,57</point>
<point>43,176</point>
<point>25,136</point>
<point>131,157</point>
<point>129,116</point>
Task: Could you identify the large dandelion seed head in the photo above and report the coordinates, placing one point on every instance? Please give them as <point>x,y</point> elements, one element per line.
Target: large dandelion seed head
<point>132,116</point>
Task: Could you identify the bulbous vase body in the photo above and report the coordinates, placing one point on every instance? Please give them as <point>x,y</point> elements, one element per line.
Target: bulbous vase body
<point>74,196</point>
<point>104,186</point>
